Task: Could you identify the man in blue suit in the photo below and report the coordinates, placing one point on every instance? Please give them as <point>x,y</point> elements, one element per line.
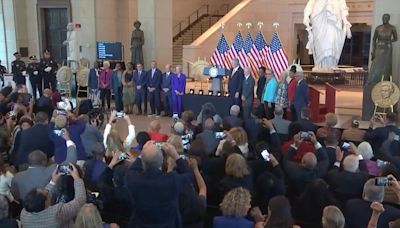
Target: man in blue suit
<point>166,90</point>
<point>140,79</point>
<point>301,93</point>
<point>236,77</point>
<point>154,78</point>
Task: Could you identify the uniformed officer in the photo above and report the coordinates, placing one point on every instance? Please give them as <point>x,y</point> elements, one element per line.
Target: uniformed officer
<point>33,70</point>
<point>18,69</point>
<point>3,70</point>
<point>48,70</point>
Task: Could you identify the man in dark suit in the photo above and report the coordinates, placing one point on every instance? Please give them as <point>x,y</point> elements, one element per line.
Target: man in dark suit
<point>145,179</point>
<point>166,90</point>
<point>312,166</point>
<point>233,119</point>
<point>235,82</point>
<point>154,78</point>
<point>18,69</point>
<point>140,79</point>
<point>35,138</point>
<point>38,174</point>
<point>347,183</point>
<point>261,83</point>
<point>247,93</point>
<point>377,135</point>
<point>208,138</point>
<point>301,93</point>
<point>305,122</point>
<point>358,211</point>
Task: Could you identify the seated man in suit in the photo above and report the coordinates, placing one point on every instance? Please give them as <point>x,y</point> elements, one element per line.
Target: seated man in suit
<point>233,119</point>
<point>208,137</point>
<point>281,125</point>
<point>35,138</point>
<point>358,211</point>
<point>312,165</point>
<point>38,174</point>
<point>347,183</point>
<point>145,179</point>
<point>305,120</point>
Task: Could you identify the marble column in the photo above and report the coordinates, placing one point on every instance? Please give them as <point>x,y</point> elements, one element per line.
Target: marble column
<point>156,18</point>
<point>8,37</point>
<point>381,7</point>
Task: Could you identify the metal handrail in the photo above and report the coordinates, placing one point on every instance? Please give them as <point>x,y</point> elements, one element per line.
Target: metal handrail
<point>203,10</point>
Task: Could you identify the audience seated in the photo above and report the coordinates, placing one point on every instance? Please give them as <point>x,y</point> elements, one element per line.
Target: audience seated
<point>358,211</point>
<point>330,123</point>
<point>187,118</point>
<point>367,165</point>
<point>38,212</point>
<point>332,217</point>
<point>377,135</point>
<point>91,135</point>
<point>234,207</point>
<point>38,174</point>
<point>154,132</point>
<point>35,138</point>
<point>233,120</point>
<point>208,111</point>
<point>141,139</point>
<point>281,125</point>
<point>208,137</point>
<point>305,120</point>
<point>354,134</point>
<point>239,136</point>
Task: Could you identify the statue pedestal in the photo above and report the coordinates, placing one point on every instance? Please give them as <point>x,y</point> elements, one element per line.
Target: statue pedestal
<point>368,104</point>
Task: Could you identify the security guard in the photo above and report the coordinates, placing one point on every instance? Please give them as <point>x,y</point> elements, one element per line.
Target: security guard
<point>3,70</point>
<point>18,69</point>
<point>34,76</point>
<point>48,70</point>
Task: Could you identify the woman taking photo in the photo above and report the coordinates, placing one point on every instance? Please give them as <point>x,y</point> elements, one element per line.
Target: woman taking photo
<point>129,89</point>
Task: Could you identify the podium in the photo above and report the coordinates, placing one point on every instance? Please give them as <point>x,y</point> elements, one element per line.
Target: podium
<point>215,74</point>
<point>318,110</point>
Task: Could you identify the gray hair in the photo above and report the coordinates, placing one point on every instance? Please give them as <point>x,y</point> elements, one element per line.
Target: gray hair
<point>351,163</point>
<point>278,111</point>
<point>365,150</point>
<point>235,110</point>
<point>372,192</point>
<point>152,162</point>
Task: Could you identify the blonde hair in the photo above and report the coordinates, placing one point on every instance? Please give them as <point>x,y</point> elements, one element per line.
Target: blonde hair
<point>88,217</point>
<point>239,135</point>
<point>114,141</point>
<point>236,166</point>
<point>106,63</point>
<point>236,202</point>
<point>331,119</point>
<point>60,122</point>
<point>332,217</point>
<point>176,141</point>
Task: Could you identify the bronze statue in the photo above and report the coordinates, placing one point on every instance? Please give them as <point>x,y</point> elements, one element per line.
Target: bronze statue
<point>137,41</point>
<point>381,54</point>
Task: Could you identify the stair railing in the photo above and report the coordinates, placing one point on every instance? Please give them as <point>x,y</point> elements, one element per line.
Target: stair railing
<point>184,24</point>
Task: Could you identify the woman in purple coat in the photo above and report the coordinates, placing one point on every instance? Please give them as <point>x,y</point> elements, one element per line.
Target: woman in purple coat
<point>178,85</point>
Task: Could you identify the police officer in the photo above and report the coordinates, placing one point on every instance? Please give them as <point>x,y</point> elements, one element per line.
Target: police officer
<point>34,76</point>
<point>18,69</point>
<point>48,70</point>
<point>3,70</point>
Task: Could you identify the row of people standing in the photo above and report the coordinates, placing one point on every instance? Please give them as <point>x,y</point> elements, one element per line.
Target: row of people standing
<point>291,94</point>
<point>42,74</point>
<point>136,86</point>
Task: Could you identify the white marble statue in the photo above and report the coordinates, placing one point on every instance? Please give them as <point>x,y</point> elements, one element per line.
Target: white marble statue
<point>327,26</point>
<point>72,42</point>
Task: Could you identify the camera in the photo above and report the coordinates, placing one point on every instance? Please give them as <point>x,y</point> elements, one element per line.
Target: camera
<point>61,112</point>
<point>346,146</point>
<point>123,156</point>
<point>58,132</point>
<point>382,181</point>
<point>159,144</point>
<point>64,169</point>
<point>265,155</point>
<point>220,135</point>
<point>119,114</point>
<point>304,135</point>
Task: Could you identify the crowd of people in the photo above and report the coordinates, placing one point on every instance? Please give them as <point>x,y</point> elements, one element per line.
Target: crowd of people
<point>264,165</point>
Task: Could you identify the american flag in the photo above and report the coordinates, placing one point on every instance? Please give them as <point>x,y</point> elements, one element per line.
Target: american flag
<point>220,56</point>
<point>260,49</point>
<point>276,57</point>
<point>236,50</point>
<point>251,59</point>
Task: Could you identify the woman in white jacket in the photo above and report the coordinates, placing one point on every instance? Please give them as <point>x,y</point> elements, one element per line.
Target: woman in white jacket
<point>112,140</point>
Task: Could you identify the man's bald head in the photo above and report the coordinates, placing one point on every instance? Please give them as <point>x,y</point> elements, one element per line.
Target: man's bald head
<point>37,158</point>
<point>47,92</point>
<point>351,163</point>
<point>155,125</point>
<point>309,160</point>
<point>152,158</point>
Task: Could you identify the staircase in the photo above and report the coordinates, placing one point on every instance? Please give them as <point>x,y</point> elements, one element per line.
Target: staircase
<point>196,24</point>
